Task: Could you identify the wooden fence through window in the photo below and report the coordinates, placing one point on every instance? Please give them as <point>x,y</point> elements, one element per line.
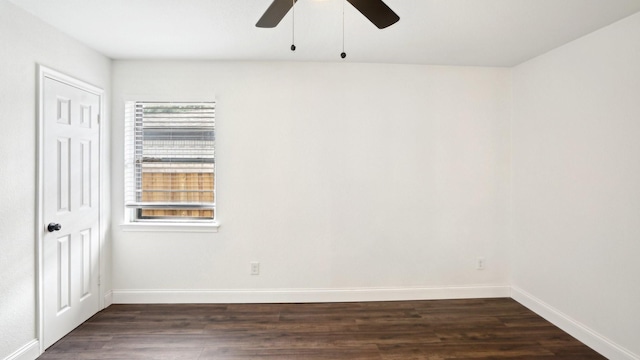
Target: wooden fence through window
<point>186,187</point>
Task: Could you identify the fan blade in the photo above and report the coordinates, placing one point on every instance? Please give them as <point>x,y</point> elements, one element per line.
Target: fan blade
<point>376,11</point>
<point>274,14</point>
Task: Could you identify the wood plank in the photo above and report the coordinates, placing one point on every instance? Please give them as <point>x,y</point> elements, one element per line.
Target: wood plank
<point>409,330</point>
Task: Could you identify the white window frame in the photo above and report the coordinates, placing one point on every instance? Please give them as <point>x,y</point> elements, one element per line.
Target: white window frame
<point>131,221</point>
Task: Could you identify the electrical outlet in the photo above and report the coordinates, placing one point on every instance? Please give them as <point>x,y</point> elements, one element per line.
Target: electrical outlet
<point>480,264</point>
<point>255,268</point>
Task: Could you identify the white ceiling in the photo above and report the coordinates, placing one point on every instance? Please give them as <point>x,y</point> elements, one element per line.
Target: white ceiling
<point>440,32</point>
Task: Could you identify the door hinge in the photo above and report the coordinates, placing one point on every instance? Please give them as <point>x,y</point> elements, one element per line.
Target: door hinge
<point>99,279</point>
<point>98,119</point>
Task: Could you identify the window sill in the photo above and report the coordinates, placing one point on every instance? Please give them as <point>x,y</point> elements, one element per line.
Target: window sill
<point>211,227</point>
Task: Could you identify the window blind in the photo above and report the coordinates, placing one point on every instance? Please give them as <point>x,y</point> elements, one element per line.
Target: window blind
<point>170,159</point>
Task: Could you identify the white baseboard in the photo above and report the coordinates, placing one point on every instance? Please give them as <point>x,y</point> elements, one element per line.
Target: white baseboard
<point>108,299</point>
<point>574,328</point>
<point>28,351</point>
<point>306,295</point>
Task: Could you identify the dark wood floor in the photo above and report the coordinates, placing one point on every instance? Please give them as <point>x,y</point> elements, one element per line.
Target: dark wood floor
<point>449,329</point>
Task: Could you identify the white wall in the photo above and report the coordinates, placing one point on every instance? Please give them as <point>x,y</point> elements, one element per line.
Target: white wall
<point>333,176</point>
<point>576,181</point>
<point>24,42</point>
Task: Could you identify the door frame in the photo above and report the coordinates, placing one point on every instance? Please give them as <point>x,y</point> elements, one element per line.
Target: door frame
<point>48,73</point>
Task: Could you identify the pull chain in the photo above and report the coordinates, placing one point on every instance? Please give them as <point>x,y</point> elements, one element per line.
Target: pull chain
<point>343,54</point>
<point>293,25</point>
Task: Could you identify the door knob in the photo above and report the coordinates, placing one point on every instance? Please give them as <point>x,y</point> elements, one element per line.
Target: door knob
<point>54,227</point>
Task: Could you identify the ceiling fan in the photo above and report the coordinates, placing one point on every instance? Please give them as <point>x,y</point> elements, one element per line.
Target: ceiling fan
<point>375,10</point>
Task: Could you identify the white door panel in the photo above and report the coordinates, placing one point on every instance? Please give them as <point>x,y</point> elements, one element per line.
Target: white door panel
<point>71,199</point>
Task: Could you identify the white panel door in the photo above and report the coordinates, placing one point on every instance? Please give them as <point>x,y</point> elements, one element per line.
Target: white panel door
<point>70,208</point>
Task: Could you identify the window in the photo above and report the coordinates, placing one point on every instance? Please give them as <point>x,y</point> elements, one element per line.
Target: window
<point>170,161</point>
